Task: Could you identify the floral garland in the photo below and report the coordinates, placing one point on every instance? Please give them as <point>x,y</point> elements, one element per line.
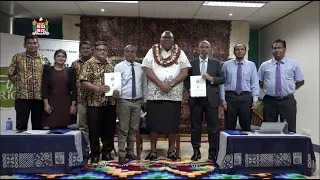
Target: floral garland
<point>165,62</point>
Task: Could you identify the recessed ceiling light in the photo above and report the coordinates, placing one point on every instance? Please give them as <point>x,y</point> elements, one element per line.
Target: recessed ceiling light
<point>230,14</point>
<point>102,10</point>
<point>233,4</point>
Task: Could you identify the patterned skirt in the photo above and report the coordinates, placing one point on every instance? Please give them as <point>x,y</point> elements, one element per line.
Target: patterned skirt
<point>163,116</point>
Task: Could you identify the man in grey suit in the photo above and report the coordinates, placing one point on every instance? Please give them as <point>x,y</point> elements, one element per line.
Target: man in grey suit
<point>210,70</point>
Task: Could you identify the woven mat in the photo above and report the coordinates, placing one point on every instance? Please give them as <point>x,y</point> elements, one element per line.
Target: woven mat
<point>160,169</point>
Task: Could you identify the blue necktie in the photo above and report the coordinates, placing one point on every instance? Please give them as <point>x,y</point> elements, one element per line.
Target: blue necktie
<point>203,67</point>
<point>133,81</point>
<point>278,80</point>
<point>239,78</point>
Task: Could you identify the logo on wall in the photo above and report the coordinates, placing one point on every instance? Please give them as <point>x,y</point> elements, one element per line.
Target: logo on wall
<point>40,27</point>
<point>7,91</point>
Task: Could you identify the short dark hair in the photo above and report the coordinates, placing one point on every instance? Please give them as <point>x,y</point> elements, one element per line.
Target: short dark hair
<point>284,43</point>
<point>99,43</point>
<point>84,42</point>
<point>234,48</point>
<point>30,36</point>
<point>60,51</point>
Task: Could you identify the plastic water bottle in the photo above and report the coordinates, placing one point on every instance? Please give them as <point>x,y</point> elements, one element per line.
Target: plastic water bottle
<point>9,125</point>
<point>285,129</point>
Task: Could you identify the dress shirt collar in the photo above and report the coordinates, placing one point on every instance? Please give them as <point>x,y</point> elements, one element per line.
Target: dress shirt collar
<point>129,63</point>
<point>283,61</point>
<point>243,61</point>
<point>206,60</point>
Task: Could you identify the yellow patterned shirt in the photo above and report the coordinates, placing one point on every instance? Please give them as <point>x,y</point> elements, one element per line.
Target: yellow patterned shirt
<point>78,66</point>
<point>93,72</point>
<point>27,71</point>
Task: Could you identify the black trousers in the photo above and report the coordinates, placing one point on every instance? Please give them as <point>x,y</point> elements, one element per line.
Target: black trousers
<point>285,107</point>
<point>202,106</point>
<point>101,124</point>
<point>23,108</point>
<point>238,105</point>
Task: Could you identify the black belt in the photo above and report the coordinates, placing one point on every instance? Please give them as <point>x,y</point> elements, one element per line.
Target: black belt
<point>241,93</point>
<point>279,98</point>
<point>132,100</point>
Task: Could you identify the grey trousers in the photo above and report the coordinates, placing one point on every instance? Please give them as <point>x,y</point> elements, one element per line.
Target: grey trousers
<point>129,119</point>
<point>82,121</point>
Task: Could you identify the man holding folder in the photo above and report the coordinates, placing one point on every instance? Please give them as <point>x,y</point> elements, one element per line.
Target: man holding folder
<point>210,70</point>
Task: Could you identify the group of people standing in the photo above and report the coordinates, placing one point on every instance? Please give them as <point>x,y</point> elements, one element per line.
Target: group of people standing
<point>58,96</point>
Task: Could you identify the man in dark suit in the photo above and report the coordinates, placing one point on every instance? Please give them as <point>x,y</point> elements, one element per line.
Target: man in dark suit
<point>210,70</point>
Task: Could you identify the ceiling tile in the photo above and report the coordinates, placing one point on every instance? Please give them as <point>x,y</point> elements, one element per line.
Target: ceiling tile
<point>49,5</point>
<point>15,9</point>
<point>158,8</point>
<point>204,11</point>
<point>146,8</point>
<point>272,12</point>
<point>147,2</point>
<point>285,4</point>
<point>110,7</point>
<point>236,11</point>
<point>163,2</point>
<point>183,9</point>
<point>179,2</point>
<point>195,3</point>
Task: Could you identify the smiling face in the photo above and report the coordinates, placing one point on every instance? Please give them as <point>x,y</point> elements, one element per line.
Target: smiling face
<point>60,58</point>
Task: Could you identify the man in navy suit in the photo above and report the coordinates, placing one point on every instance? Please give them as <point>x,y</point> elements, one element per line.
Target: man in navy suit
<point>210,70</point>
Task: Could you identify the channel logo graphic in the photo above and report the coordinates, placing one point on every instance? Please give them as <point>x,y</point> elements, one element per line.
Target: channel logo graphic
<point>7,91</point>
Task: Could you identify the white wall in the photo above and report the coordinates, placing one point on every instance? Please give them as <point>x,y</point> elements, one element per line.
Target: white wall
<point>301,32</point>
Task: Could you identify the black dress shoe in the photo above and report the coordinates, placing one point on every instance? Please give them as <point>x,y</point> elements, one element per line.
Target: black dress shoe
<point>131,156</point>
<point>121,160</point>
<point>173,156</point>
<point>151,156</point>
<point>196,155</point>
<point>107,157</point>
<point>95,160</point>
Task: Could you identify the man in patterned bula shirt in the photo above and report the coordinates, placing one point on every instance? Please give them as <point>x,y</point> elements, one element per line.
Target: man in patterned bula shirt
<point>101,110</point>
<point>25,73</point>
<point>85,49</point>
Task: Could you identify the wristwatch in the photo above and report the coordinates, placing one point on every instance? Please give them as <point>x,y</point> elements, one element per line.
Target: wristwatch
<point>171,84</point>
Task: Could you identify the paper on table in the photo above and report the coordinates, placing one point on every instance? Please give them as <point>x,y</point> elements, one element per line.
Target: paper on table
<point>198,86</point>
<point>114,81</point>
<point>36,132</point>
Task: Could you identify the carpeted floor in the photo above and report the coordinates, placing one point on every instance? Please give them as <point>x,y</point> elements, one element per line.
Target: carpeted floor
<point>161,169</point>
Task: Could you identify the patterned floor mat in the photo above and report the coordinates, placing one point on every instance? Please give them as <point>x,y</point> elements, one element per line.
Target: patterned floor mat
<point>161,169</point>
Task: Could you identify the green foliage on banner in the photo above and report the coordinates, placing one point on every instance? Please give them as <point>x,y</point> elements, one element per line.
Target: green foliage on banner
<point>7,90</point>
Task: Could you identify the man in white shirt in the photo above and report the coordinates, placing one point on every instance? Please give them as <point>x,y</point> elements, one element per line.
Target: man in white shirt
<point>129,103</point>
<point>166,67</point>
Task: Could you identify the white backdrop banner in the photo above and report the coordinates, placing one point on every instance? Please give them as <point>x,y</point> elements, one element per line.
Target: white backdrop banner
<point>12,44</point>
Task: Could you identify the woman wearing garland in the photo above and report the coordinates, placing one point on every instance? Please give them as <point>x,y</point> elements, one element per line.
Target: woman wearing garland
<point>166,67</point>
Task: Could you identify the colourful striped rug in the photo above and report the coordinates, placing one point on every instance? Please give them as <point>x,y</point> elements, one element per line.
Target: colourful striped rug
<point>160,169</point>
